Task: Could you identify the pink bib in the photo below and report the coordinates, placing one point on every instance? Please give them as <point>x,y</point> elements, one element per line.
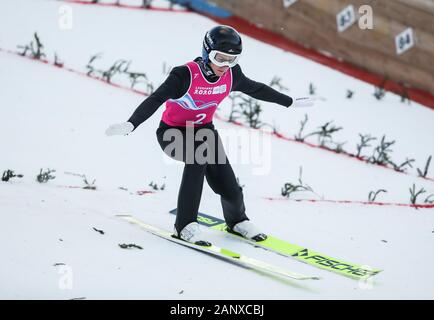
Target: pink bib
<point>200,101</point>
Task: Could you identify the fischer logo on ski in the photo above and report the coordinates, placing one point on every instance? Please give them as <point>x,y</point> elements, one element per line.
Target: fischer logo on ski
<point>336,265</point>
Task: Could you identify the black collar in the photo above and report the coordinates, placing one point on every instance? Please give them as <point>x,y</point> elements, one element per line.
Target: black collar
<point>206,70</point>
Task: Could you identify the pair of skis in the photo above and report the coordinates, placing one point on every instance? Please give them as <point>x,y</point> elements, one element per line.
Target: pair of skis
<point>223,253</point>
<point>274,244</point>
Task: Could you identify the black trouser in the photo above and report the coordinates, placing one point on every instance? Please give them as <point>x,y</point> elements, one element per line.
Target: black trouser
<point>216,169</point>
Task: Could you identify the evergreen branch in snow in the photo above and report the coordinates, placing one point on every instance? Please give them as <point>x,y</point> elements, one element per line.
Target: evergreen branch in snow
<point>312,89</point>
<point>9,174</point>
<point>325,133</point>
<point>35,47</point>
<point>37,52</point>
<point>97,230</point>
<point>116,68</point>
<point>380,92</point>
<point>299,136</point>
<point>25,48</point>
<point>90,68</point>
<point>75,174</point>
<point>106,75</point>
<point>135,78</point>
<point>402,166</point>
<point>424,173</point>
<point>338,147</point>
<point>248,109</point>
<point>120,67</point>
<point>405,97</point>
<point>290,188</point>
<point>156,187</point>
<point>129,245</point>
<point>140,77</point>
<point>276,82</point>
<point>381,154</point>
<point>429,200</point>
<point>364,142</point>
<point>251,112</point>
<point>373,194</point>
<point>235,107</point>
<point>273,127</point>
<point>414,194</point>
<point>89,186</point>
<point>45,176</point>
<point>57,61</point>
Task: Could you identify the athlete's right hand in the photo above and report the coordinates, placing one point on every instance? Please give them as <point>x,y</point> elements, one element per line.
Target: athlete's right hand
<point>119,129</point>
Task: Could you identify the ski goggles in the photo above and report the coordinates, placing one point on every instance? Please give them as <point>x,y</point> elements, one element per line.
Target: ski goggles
<point>222,59</point>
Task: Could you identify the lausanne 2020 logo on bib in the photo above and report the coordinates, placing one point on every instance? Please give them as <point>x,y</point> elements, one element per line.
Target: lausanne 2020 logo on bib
<point>210,90</point>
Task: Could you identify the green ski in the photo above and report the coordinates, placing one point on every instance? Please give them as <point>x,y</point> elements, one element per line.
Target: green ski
<point>300,253</point>
<point>223,253</point>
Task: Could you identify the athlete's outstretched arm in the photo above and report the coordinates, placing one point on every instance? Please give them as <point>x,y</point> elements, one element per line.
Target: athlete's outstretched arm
<point>173,87</point>
<point>263,92</point>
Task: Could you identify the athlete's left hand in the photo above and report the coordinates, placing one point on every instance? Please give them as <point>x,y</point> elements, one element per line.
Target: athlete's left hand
<point>303,102</point>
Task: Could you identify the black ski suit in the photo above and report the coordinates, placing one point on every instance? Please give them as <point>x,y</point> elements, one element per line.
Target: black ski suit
<point>218,174</point>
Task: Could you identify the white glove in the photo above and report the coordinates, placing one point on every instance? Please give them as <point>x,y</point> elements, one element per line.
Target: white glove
<point>303,102</point>
<point>119,129</point>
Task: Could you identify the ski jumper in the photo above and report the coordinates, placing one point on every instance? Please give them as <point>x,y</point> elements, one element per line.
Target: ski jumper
<point>192,93</point>
<point>197,106</point>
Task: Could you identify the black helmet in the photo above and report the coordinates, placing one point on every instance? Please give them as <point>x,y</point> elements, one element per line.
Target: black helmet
<point>222,38</point>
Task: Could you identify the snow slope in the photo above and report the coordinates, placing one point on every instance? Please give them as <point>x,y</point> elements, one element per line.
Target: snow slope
<point>55,119</point>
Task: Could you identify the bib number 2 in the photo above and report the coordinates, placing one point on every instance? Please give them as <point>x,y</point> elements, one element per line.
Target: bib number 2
<point>200,117</point>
